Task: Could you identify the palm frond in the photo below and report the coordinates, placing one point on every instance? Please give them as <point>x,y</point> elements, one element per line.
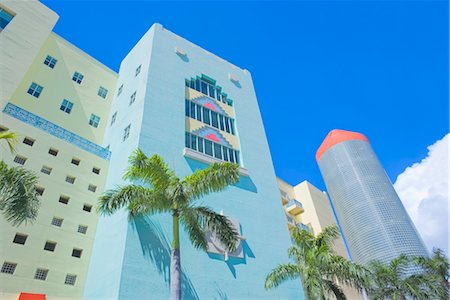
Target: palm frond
<point>327,236</point>
<point>334,289</point>
<point>192,222</point>
<point>10,138</point>
<point>19,201</point>
<point>280,274</point>
<point>214,178</point>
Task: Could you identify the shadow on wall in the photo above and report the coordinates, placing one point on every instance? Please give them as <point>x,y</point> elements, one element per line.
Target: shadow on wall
<point>156,247</point>
<point>245,182</point>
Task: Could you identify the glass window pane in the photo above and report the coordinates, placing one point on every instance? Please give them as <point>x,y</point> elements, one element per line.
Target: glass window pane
<point>200,144</point>
<point>193,110</point>
<point>236,156</point>
<point>225,153</point>
<point>194,142</point>
<point>232,126</point>
<point>214,121</point>
<point>197,84</point>
<point>231,155</point>
<point>199,113</point>
<point>187,113</point>
<point>192,84</point>
<point>204,87</point>
<point>221,123</point>
<point>218,151</point>
<point>212,91</point>
<point>208,148</point>
<point>187,140</point>
<point>227,124</point>
<point>206,116</point>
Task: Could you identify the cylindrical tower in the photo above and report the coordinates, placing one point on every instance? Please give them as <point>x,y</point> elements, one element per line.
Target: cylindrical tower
<point>372,217</point>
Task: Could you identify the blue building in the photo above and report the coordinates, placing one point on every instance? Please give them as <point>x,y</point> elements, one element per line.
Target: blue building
<point>177,100</point>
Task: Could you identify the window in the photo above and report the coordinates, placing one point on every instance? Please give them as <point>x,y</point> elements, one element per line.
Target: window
<point>20,159</point>
<point>96,170</point>
<point>94,120</point>
<point>113,118</point>
<point>64,199</point>
<point>66,106</point>
<point>132,98</point>
<point>50,61</point>
<point>20,238</point>
<point>82,229</point>
<point>77,77</point>
<point>77,252</point>
<point>46,170</point>
<point>92,188</point>
<point>138,70</point>
<point>208,148</point>
<point>41,274</point>
<point>217,151</point>
<point>75,161</point>
<point>57,221</point>
<point>214,120</point>
<point>208,87</point>
<point>35,90</point>
<point>40,190</point>
<point>102,92</point>
<point>50,246</point>
<point>53,151</point>
<point>70,279</point>
<point>211,148</point>
<point>87,207</point>
<point>8,267</point>
<point>28,141</point>
<point>206,116</point>
<point>120,90</point>
<point>126,132</point>
<point>5,18</point>
<point>70,179</point>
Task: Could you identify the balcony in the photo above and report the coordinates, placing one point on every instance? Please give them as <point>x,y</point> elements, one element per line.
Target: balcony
<point>294,207</point>
<point>303,227</point>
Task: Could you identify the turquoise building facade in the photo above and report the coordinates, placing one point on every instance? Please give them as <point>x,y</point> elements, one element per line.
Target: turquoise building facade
<point>156,87</point>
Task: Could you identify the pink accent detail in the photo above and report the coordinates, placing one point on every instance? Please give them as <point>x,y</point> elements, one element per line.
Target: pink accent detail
<point>337,136</point>
<point>213,137</point>
<point>210,106</point>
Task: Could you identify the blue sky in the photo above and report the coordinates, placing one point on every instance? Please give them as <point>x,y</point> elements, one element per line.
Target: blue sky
<point>377,67</point>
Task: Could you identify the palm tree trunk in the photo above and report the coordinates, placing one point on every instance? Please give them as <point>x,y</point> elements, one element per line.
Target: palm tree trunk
<point>175,265</point>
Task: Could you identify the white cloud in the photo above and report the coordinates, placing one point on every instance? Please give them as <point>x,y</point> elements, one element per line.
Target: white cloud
<point>424,191</point>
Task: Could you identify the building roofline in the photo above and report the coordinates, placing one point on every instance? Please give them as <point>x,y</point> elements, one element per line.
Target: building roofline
<point>335,137</point>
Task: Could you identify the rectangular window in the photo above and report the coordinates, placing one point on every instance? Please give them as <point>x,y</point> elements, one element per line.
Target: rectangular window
<point>204,88</point>
<point>232,126</point>
<point>200,144</point>
<point>46,170</point>
<point>28,141</point>
<point>225,153</point>
<point>87,207</point>
<point>193,142</point>
<point>120,90</point>
<point>187,107</point>
<point>64,199</point>
<point>199,113</point>
<point>227,124</point>
<point>41,274</point>
<point>57,221</point>
<point>70,279</point>
<point>66,106</point>
<point>187,140</point>
<point>53,151</point>
<point>221,123</point>
<point>77,77</point>
<point>197,84</point>
<point>39,190</point>
<point>82,229</point>
<point>20,159</point>
<point>193,110</point>
<point>132,98</point>
<point>20,238</point>
<point>113,118</point>
<point>231,155</point>
<point>5,18</point>
<point>94,120</point>
<point>208,148</point>
<point>192,84</point>
<point>214,119</point>
<point>92,188</point>
<point>102,92</point>
<point>77,252</point>
<point>70,179</point>
<point>8,267</point>
<point>138,70</point>
<point>75,161</point>
<point>50,61</point>
<point>236,157</point>
<point>126,132</point>
<point>212,91</point>
<point>217,151</point>
<point>96,170</point>
<point>206,118</point>
<point>35,90</point>
<point>50,246</point>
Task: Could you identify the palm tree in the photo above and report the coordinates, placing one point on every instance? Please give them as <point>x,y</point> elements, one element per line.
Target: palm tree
<point>321,271</point>
<point>19,201</point>
<point>161,191</point>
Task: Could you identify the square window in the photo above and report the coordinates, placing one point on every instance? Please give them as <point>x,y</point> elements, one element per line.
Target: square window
<point>66,106</point>
<point>28,141</point>
<point>77,77</point>
<point>138,70</point>
<point>75,161</point>
<point>92,188</point>
<point>102,92</point>
<point>77,252</point>
<point>70,279</point>
<point>20,159</point>
<point>40,190</point>
<point>8,267</point>
<point>82,229</point>
<point>113,118</point>
<point>50,246</point>
<point>132,98</point>
<point>96,170</point>
<point>87,207</point>
<point>94,120</point>
<point>120,90</point>
<point>64,199</point>
<point>50,61</point>
<point>57,221</point>
<point>53,151</point>
<point>41,274</point>
<point>70,179</point>
<point>20,238</point>
<point>46,170</point>
<point>126,132</point>
<point>35,90</point>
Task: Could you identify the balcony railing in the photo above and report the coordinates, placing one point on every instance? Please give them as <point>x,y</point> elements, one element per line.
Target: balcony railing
<point>294,207</point>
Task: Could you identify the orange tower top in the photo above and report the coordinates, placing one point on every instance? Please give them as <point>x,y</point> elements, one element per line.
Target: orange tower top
<point>337,136</point>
